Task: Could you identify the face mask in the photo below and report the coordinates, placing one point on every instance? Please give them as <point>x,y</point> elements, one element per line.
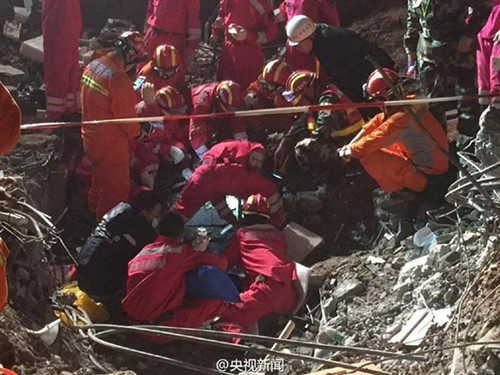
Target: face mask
<point>155,222</point>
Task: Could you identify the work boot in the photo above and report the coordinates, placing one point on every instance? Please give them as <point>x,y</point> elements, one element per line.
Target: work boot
<point>405,229</point>
<point>396,201</point>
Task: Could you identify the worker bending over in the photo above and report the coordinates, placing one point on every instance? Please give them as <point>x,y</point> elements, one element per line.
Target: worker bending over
<point>259,249</point>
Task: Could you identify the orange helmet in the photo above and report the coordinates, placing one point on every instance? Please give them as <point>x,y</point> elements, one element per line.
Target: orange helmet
<point>229,96</point>
<point>166,60</point>
<point>131,44</point>
<point>377,87</point>
<point>275,74</point>
<point>257,204</point>
<point>297,83</point>
<point>170,100</point>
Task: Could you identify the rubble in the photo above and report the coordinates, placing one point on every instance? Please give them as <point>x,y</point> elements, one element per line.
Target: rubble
<point>33,49</point>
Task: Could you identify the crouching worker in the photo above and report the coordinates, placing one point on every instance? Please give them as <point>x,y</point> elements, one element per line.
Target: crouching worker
<point>260,250</point>
<point>121,234</point>
<point>156,282</point>
<point>397,153</point>
<point>229,168</point>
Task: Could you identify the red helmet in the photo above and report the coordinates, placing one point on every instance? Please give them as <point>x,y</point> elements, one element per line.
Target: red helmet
<point>257,204</point>
<point>170,100</point>
<point>297,83</point>
<point>377,87</point>
<point>131,43</point>
<point>166,60</point>
<point>277,72</point>
<point>229,96</point>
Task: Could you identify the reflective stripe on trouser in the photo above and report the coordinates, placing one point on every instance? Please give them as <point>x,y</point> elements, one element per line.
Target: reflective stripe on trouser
<point>393,172</point>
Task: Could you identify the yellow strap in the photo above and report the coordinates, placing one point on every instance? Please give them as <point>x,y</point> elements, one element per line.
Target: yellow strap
<point>349,130</point>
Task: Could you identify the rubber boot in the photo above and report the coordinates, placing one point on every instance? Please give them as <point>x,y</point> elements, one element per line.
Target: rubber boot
<point>405,229</point>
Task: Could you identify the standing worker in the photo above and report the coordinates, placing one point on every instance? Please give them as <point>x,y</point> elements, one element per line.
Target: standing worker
<point>107,93</point>
<point>246,24</point>
<point>61,27</point>
<point>176,23</point>
<point>440,40</point>
<point>340,52</point>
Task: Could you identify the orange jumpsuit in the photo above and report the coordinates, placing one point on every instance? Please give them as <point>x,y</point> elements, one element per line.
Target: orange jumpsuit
<point>10,121</point>
<point>397,154</point>
<point>107,93</point>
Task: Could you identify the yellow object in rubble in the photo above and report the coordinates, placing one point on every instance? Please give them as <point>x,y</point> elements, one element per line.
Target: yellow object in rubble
<point>95,310</point>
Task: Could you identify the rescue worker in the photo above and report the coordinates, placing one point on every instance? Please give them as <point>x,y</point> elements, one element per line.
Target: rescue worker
<point>156,281</point>
<point>10,123</point>
<point>61,27</point>
<point>176,23</point>
<point>340,52</point>
<point>266,92</point>
<point>322,11</point>
<point>167,141</point>
<point>229,168</point>
<point>246,25</point>
<point>166,68</point>
<point>259,249</point>
<point>121,234</point>
<point>488,79</point>
<point>107,93</point>
<point>215,97</point>
<point>395,151</point>
<point>440,40</point>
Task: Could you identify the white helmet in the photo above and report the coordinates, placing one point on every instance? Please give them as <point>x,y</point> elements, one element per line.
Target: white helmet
<point>299,27</point>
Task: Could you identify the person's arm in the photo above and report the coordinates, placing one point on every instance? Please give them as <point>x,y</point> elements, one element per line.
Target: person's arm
<point>123,100</point>
<point>329,13</point>
<point>495,77</point>
<point>198,132</point>
<point>267,25</point>
<point>233,250</point>
<point>381,136</point>
<point>194,259</point>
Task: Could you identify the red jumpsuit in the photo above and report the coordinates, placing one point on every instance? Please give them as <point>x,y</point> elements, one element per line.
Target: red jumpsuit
<point>488,78</point>
<point>174,133</point>
<point>320,11</point>
<point>222,172</point>
<point>10,120</point>
<point>107,93</point>
<point>173,22</point>
<point>61,27</point>
<point>396,153</point>
<point>201,130</point>
<point>260,250</point>
<point>242,61</point>
<point>156,286</point>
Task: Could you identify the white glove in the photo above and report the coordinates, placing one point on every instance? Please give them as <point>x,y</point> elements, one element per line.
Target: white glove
<point>148,93</point>
<point>186,173</point>
<point>176,154</point>
<point>496,38</point>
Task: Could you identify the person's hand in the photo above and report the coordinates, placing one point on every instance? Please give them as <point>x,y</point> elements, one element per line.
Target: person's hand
<point>237,32</point>
<point>411,67</point>
<point>250,100</point>
<point>345,153</point>
<point>464,44</point>
<point>145,129</point>
<point>176,154</point>
<point>148,93</point>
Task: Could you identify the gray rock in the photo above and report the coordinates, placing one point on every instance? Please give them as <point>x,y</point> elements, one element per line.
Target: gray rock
<point>348,288</point>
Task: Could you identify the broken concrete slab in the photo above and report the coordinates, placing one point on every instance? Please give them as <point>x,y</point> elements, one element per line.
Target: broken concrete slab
<point>33,49</point>
<point>21,14</point>
<point>300,241</point>
<point>11,75</point>
<point>343,370</point>
<point>410,267</point>
<point>309,202</point>
<point>348,288</point>
<point>12,30</point>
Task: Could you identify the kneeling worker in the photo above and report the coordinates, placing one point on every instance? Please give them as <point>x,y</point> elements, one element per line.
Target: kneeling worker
<point>395,151</point>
